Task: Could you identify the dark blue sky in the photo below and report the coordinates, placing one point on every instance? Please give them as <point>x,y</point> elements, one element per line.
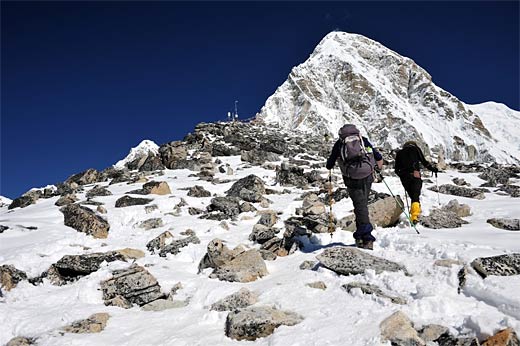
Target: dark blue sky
<point>83,82</point>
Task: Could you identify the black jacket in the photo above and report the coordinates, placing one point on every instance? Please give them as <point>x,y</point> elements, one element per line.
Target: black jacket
<point>409,159</point>
<point>336,152</point>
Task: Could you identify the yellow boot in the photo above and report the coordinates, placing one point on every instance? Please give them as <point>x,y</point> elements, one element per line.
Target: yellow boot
<point>415,211</point>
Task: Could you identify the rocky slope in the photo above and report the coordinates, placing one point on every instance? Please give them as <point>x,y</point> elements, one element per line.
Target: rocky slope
<point>222,238</point>
<point>351,78</point>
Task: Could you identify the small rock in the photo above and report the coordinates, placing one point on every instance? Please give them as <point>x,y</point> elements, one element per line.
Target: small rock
<point>66,200</point>
<point>98,191</point>
<point>262,233</point>
<point>257,322</point>
<point>130,254</point>
<point>94,324</point>
<point>100,209</point>
<point>127,201</point>
<point>441,218</point>
<point>164,304</point>
<point>10,277</point>
<point>160,242</point>
<point>318,284</point>
<point>373,289</point>
<point>447,262</point>
<point>462,210</point>
<point>150,208</point>
<point>157,188</point>
<point>224,225</point>
<point>432,332</point>
<point>247,207</point>
<point>151,223</point>
<point>198,191</point>
<point>505,337</point>
<point>268,219</point>
<point>308,265</point>
<point>21,341</point>
<point>398,329</point>
<point>195,211</point>
<point>239,300</point>
<point>507,224</point>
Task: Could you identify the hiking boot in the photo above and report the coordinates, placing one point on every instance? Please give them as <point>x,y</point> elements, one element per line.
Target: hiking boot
<point>368,245</point>
<point>359,243</point>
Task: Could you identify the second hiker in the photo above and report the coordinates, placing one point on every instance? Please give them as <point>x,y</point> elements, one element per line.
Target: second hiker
<point>357,160</point>
<point>408,162</point>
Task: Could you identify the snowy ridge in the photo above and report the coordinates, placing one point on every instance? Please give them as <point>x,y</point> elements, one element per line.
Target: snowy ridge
<point>142,150</point>
<point>350,78</point>
<point>5,201</point>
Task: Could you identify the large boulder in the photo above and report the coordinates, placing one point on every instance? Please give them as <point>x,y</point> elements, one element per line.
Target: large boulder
<point>501,265</point>
<point>134,285</point>
<point>460,191</point>
<point>98,191</point>
<point>442,218</point>
<point>237,265</point>
<point>157,188</point>
<point>22,202</point>
<point>258,157</point>
<point>495,176</point>
<point>289,175</point>
<point>127,201</point>
<point>238,300</point>
<point>66,200</point>
<point>352,261</point>
<point>507,224</point>
<point>73,267</point>
<point>89,176</point>
<point>10,277</point>
<point>258,322</point>
<point>172,154</point>
<point>262,233</point>
<point>250,189</point>
<point>152,163</point>
<point>93,324</point>
<point>82,219</point>
<point>383,212</point>
<point>399,331</point>
<point>228,207</point>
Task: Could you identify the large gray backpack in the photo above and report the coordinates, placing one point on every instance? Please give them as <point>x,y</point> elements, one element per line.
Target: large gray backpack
<point>355,161</point>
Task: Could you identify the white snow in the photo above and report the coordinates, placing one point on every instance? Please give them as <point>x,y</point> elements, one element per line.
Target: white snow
<point>332,317</point>
<point>143,149</point>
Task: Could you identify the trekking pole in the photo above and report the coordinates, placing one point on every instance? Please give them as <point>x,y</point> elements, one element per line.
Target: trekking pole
<point>399,203</point>
<point>437,185</point>
<point>331,222</point>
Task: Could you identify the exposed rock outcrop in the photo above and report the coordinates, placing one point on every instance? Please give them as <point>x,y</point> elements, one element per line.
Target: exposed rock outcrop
<point>82,219</point>
<point>502,265</point>
<point>250,189</point>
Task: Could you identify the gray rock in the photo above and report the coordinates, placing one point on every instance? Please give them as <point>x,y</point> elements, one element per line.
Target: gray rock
<point>134,284</point>
<point>22,202</point>
<point>398,329</point>
<point>159,243</point>
<point>308,265</point>
<point>150,208</point>
<point>228,206</point>
<point>89,176</point>
<point>250,189</point>
<point>258,322</point>
<point>267,255</point>
<point>66,200</point>
<point>10,277</point>
<point>195,211</point>
<point>289,175</point>
<point>502,265</point>
<point>458,191</point>
<point>172,154</point>
<point>262,233</point>
<point>238,300</point>
<point>459,181</point>
<point>247,207</point>
<point>373,289</point>
<point>3,228</point>
<point>152,223</point>
<point>432,332</point>
<point>495,176</point>
<point>268,219</point>
<point>152,163</point>
<point>84,220</point>
<point>98,191</point>
<point>176,245</point>
<point>441,218</point>
<point>94,324</point>
<point>21,341</point>
<point>383,212</point>
<point>127,201</point>
<point>462,210</point>
<point>237,265</point>
<point>447,339</point>
<point>512,190</point>
<point>198,191</point>
<point>258,157</point>
<point>507,224</point>
<point>164,304</point>
<point>351,261</point>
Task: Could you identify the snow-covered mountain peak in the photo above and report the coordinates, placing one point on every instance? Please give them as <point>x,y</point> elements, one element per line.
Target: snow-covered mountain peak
<point>350,78</point>
<point>142,150</point>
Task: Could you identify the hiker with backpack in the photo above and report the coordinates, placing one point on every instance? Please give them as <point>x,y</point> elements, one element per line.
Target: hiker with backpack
<point>358,161</point>
<point>408,162</point>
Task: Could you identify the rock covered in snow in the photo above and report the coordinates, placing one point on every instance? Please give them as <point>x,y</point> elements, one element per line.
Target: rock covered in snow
<point>238,300</point>
<point>84,220</point>
<point>138,154</point>
<point>21,341</point>
<point>258,322</point>
<point>351,261</point>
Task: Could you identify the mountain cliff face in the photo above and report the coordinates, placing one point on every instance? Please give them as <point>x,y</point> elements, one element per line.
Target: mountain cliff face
<point>352,79</point>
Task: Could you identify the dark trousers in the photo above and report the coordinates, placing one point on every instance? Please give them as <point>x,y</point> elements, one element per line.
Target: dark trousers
<point>358,191</point>
<point>412,186</point>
